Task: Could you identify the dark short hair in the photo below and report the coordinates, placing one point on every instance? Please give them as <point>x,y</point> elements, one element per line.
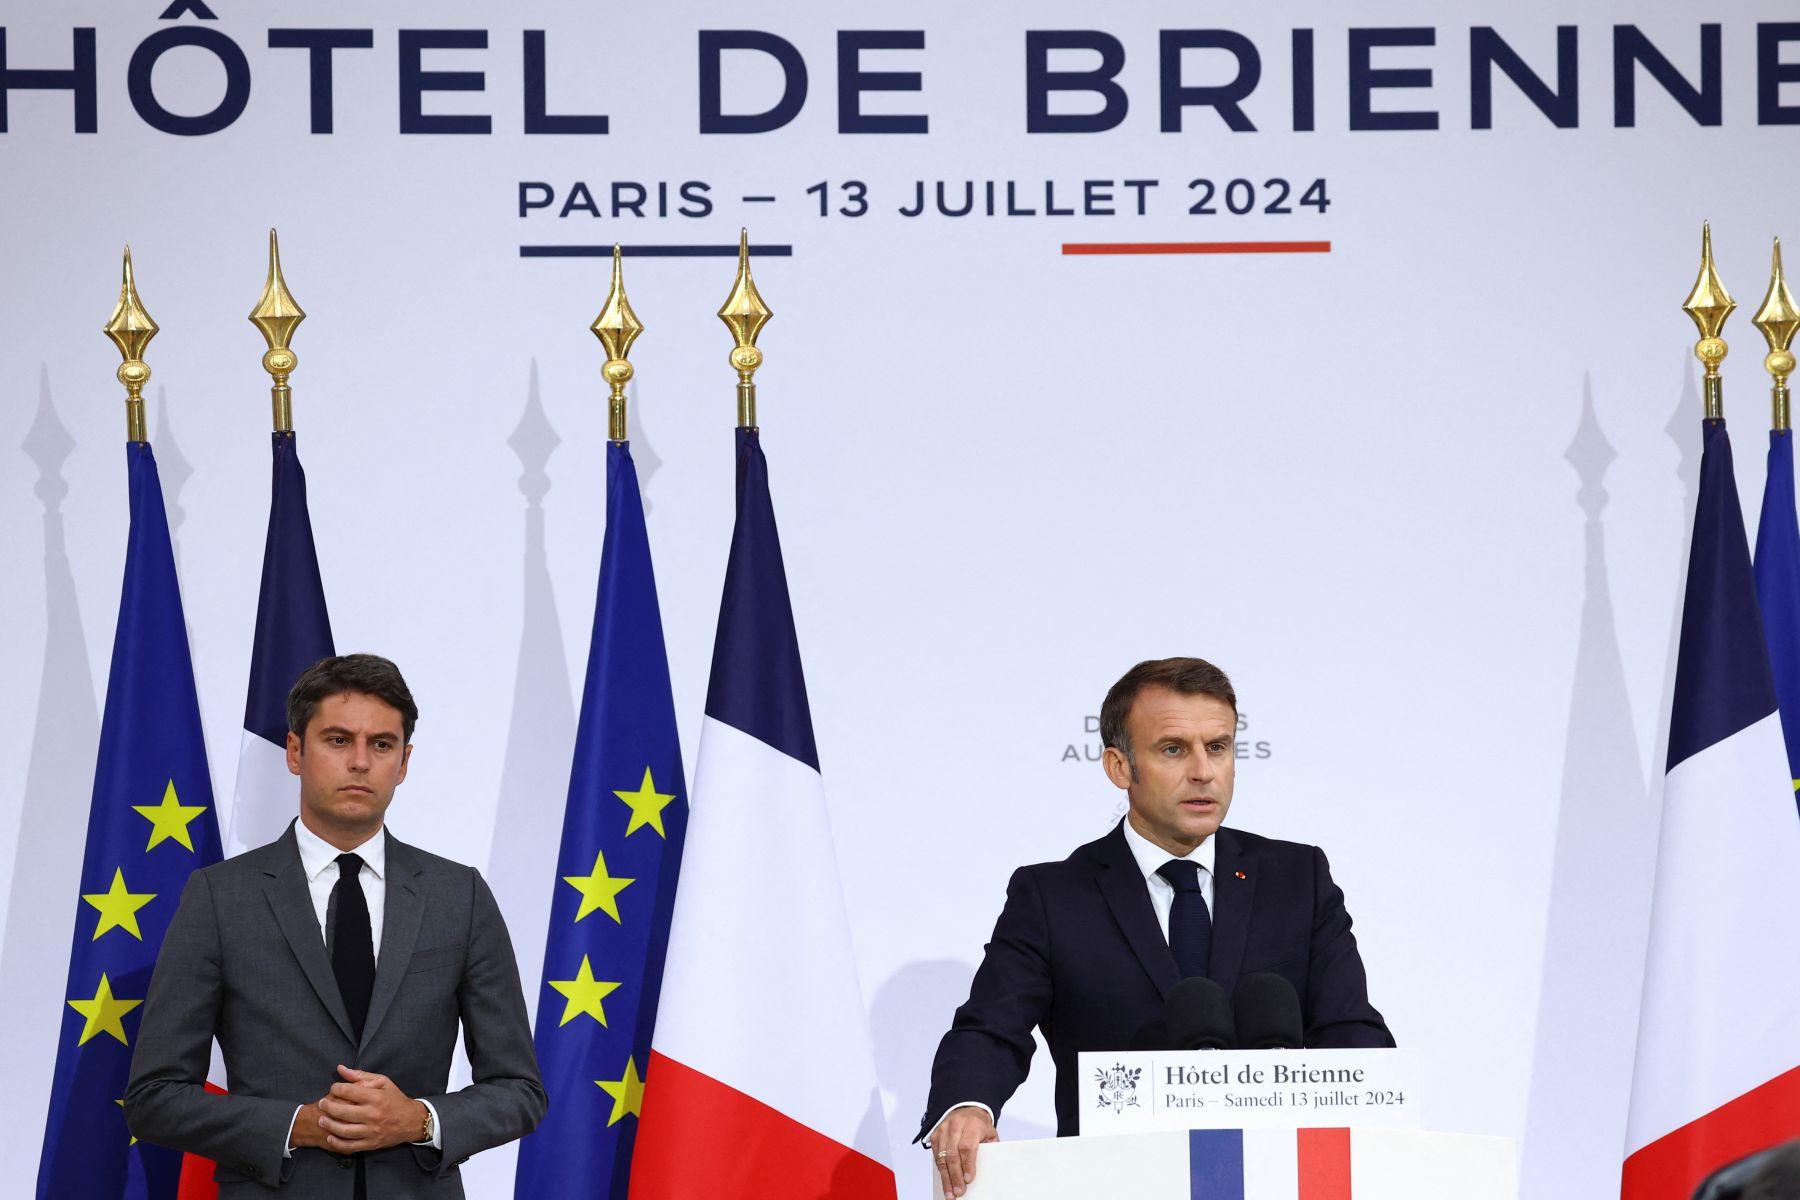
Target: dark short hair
<point>1779,1176</point>
<point>1183,676</point>
<point>366,674</point>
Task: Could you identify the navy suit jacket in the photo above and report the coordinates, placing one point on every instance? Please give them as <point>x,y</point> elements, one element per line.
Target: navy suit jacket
<point>1078,953</point>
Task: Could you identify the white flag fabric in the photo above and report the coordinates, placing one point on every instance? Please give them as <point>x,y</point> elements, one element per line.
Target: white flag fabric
<point>762,1072</point>
<point>1718,1061</point>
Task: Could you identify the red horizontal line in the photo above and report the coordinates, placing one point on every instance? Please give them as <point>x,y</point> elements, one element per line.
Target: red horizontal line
<point>1196,248</point>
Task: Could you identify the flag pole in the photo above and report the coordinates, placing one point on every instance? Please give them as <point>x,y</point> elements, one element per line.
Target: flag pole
<point>617,327</point>
<point>1709,304</point>
<point>277,315</point>
<point>1778,319</point>
<point>744,313</point>
<point>131,329</point>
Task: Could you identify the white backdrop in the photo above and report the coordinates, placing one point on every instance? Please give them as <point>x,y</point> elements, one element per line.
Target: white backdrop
<point>1423,495</point>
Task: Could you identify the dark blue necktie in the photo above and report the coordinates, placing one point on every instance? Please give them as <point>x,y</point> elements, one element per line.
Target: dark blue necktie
<point>1190,925</point>
<point>353,962</point>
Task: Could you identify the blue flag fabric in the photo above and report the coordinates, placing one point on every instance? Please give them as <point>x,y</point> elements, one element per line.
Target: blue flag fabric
<point>293,631</point>
<point>151,823</point>
<point>615,889</point>
<point>293,628</point>
<point>757,682</point>
<point>1778,588</point>
<point>1722,680</point>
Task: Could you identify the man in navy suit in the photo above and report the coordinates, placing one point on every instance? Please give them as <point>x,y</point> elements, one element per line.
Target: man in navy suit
<point>1082,949</point>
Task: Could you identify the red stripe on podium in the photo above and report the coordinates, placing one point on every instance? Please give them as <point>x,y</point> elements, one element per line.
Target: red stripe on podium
<point>700,1139</point>
<point>1673,1165</point>
<point>1324,1163</point>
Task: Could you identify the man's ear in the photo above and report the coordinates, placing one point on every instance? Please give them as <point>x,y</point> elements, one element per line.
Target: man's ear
<point>293,753</point>
<point>1118,767</point>
<point>405,758</point>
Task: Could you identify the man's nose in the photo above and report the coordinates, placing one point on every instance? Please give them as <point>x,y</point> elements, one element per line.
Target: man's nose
<point>359,755</point>
<point>1203,768</point>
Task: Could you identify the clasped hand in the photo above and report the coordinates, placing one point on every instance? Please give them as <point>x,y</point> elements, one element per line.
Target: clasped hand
<point>363,1112</point>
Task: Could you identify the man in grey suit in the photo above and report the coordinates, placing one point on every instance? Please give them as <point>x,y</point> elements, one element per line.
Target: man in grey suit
<point>337,1056</point>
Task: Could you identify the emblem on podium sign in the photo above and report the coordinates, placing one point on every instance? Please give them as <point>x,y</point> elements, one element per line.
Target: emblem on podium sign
<point>1118,1086</point>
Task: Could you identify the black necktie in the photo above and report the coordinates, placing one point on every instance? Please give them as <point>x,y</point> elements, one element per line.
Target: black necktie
<point>1190,925</point>
<point>352,946</point>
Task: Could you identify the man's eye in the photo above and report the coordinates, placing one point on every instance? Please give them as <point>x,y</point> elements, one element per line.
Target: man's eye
<point>1171,751</point>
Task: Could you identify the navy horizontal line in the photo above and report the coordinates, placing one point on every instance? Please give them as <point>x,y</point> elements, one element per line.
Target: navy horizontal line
<point>759,199</point>
<point>726,250</point>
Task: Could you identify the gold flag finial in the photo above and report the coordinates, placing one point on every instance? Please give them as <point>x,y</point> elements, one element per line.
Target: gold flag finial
<point>744,313</point>
<point>277,316</point>
<point>1778,319</point>
<point>1709,304</point>
<point>617,327</point>
<point>131,329</point>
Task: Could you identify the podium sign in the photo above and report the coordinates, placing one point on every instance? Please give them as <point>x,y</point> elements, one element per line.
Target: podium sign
<point>1249,1164</point>
<point>1142,1090</point>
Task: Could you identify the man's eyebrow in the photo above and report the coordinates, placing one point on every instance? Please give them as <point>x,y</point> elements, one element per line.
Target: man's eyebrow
<point>390,734</point>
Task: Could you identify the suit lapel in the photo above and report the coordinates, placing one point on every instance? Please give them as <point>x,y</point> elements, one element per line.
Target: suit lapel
<point>1232,898</point>
<point>399,930</point>
<point>1122,884</point>
<point>284,883</point>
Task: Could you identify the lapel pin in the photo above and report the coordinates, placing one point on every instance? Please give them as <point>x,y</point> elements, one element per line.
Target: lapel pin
<point>1240,875</point>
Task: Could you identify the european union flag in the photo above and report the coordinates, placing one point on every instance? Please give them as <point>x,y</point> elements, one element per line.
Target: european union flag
<point>1778,588</point>
<point>615,887</point>
<point>152,822</point>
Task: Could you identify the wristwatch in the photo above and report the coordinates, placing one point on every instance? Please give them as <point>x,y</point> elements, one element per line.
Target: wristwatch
<point>430,1132</point>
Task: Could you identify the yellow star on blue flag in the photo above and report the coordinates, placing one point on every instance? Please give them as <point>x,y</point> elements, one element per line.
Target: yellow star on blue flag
<point>646,805</point>
<point>151,749</point>
<point>626,752</point>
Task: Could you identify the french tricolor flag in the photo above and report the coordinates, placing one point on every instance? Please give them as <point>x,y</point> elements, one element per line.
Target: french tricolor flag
<point>1254,1164</point>
<point>762,1074</point>
<point>1718,1058</point>
<point>1282,1164</point>
<point>293,631</point>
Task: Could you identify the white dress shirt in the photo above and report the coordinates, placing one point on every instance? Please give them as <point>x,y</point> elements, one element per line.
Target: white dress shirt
<point>318,859</point>
<point>1148,856</point>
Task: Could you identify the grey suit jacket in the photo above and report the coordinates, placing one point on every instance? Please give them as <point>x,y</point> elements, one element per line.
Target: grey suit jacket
<point>244,961</point>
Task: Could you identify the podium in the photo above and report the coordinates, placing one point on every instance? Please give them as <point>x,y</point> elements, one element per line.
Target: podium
<point>1248,1164</point>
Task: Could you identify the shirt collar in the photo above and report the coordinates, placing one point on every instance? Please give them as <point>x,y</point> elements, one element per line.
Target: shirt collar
<point>317,854</point>
<point>1150,856</point>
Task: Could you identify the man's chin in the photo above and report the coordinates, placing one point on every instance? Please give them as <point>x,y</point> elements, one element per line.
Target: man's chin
<point>1201,826</point>
<point>351,813</point>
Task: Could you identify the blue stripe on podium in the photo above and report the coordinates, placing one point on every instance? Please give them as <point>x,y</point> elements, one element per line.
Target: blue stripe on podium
<point>1216,1164</point>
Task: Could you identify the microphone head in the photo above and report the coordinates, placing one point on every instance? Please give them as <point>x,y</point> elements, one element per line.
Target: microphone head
<point>1198,1016</point>
<point>1266,1009</point>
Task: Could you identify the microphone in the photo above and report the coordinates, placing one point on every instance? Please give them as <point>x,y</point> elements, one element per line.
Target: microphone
<point>1267,1013</point>
<point>1198,1016</point>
